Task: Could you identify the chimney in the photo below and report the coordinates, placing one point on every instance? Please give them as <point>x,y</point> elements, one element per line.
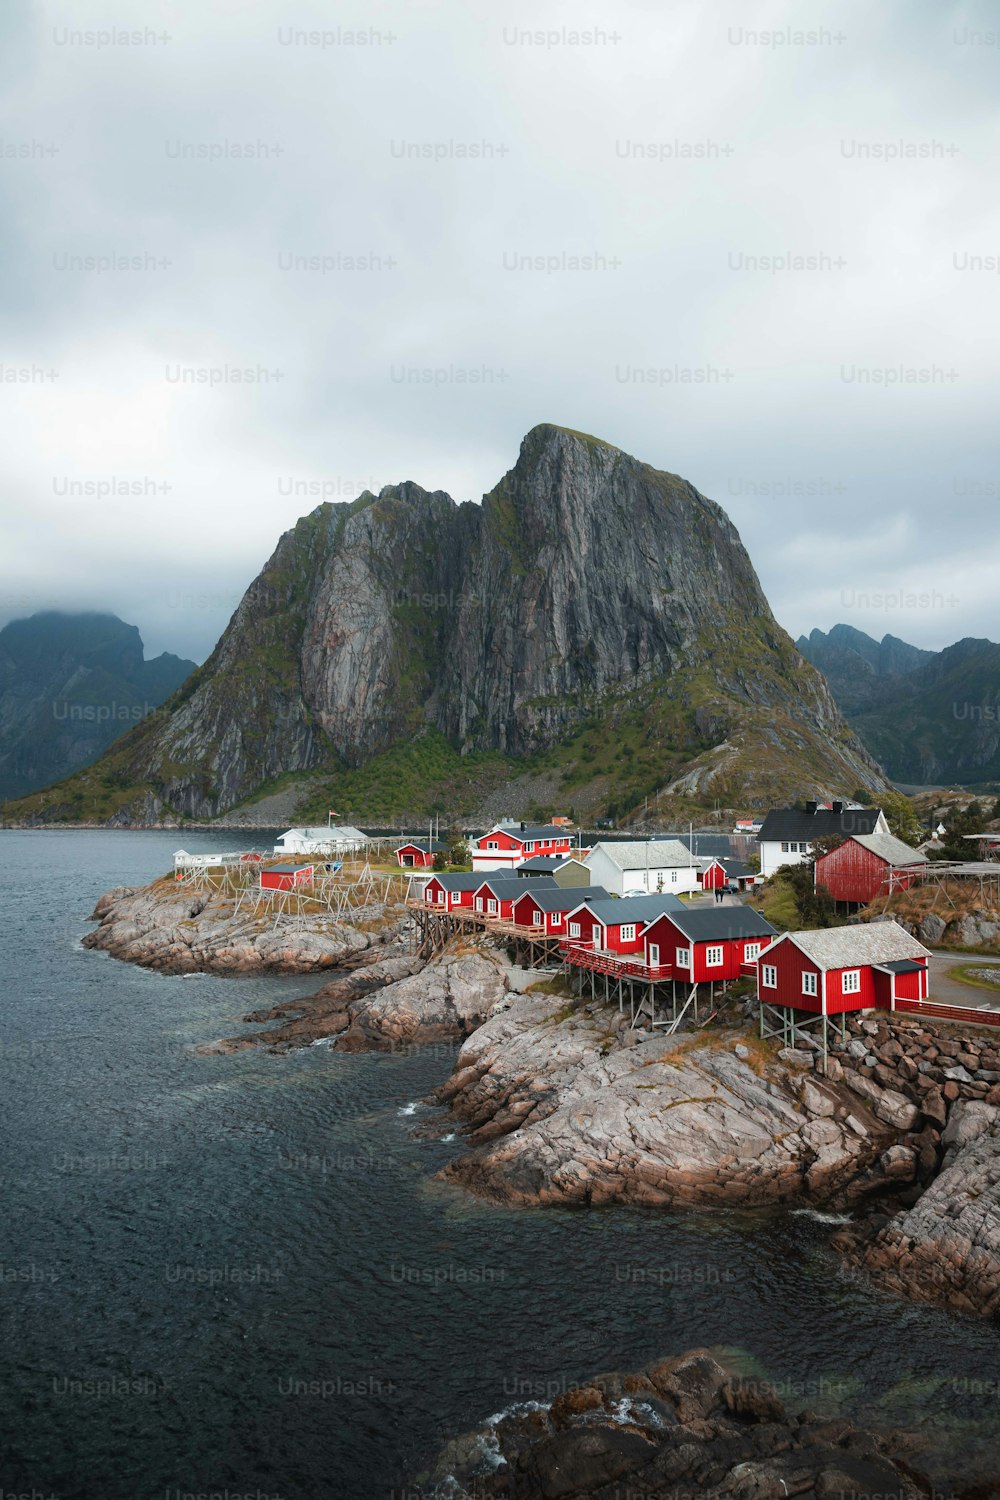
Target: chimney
<point>837,807</point>
<point>523,827</point>
<point>810,807</point>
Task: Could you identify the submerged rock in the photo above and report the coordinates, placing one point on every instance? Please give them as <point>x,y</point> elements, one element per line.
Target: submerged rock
<point>683,1427</point>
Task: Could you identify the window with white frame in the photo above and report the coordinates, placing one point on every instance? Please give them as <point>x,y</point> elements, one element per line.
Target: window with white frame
<point>673,877</point>
<point>851,982</point>
<point>456,897</point>
<point>557,919</point>
<point>536,919</point>
<point>529,848</point>
<point>714,955</point>
<point>493,844</point>
<point>751,951</point>
<point>769,977</point>
<point>574,929</point>
<point>492,907</point>
<point>628,932</point>
<point>809,983</point>
<point>479,903</point>
<point>683,958</point>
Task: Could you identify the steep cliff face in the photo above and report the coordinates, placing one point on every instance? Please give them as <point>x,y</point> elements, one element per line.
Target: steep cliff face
<point>587,586</point>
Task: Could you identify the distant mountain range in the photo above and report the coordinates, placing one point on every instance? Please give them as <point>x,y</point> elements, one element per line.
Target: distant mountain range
<point>929,717</point>
<point>70,684</point>
<point>590,634</point>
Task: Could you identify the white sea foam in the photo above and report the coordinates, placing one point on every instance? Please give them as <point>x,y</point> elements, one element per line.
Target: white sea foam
<point>821,1218</point>
<point>409,1109</point>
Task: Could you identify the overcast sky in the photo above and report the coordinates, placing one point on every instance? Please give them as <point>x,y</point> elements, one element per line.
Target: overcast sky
<point>459,148</point>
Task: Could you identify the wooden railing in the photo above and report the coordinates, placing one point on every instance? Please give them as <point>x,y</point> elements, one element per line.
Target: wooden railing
<point>936,1011</point>
<point>585,956</point>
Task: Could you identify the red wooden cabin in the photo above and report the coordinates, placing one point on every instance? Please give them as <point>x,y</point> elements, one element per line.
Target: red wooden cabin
<point>495,896</point>
<point>419,855</point>
<point>859,869</point>
<point>615,927</point>
<point>545,911</point>
<point>285,877</point>
<point>713,877</point>
<point>450,892</point>
<point>701,945</point>
<point>839,969</point>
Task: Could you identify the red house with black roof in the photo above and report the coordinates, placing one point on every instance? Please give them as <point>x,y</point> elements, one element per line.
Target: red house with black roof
<point>700,945</point>
<point>495,895</point>
<point>615,926</point>
<point>450,892</point>
<point>545,911</point>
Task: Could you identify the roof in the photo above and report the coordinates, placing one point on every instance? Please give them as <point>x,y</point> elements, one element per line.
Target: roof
<point>738,869</point>
<point>285,869</point>
<point>650,854</point>
<point>529,834</point>
<point>890,848</point>
<point>427,846</point>
<point>902,966</point>
<point>458,882</point>
<point>638,909</point>
<point>784,823</point>
<point>849,947</point>
<point>567,900</point>
<point>504,884</point>
<point>708,924</point>
<point>541,865</point>
<point>325,835</point>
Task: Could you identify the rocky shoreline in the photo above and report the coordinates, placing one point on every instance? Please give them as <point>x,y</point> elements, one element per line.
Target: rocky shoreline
<point>684,1427</point>
<point>560,1101</point>
<point>175,929</point>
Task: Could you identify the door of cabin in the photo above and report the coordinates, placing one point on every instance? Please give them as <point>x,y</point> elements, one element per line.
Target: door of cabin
<point>653,957</point>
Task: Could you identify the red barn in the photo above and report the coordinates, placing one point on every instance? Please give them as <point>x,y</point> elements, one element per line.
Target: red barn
<point>859,869</point>
<point>838,969</point>
<point>713,876</point>
<point>700,945</point>
<point>285,877</point>
<point>419,854</point>
<point>510,844</point>
<point>546,910</point>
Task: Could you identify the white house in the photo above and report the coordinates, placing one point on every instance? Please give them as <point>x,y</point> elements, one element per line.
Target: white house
<point>789,833</point>
<point>337,839</point>
<point>645,866</point>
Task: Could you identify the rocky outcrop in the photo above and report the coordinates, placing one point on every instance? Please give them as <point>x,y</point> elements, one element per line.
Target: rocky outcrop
<point>390,1005</point>
<point>585,585</point>
<point>576,1109</point>
<point>168,926</point>
<point>946,1248</point>
<point>682,1427</point>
